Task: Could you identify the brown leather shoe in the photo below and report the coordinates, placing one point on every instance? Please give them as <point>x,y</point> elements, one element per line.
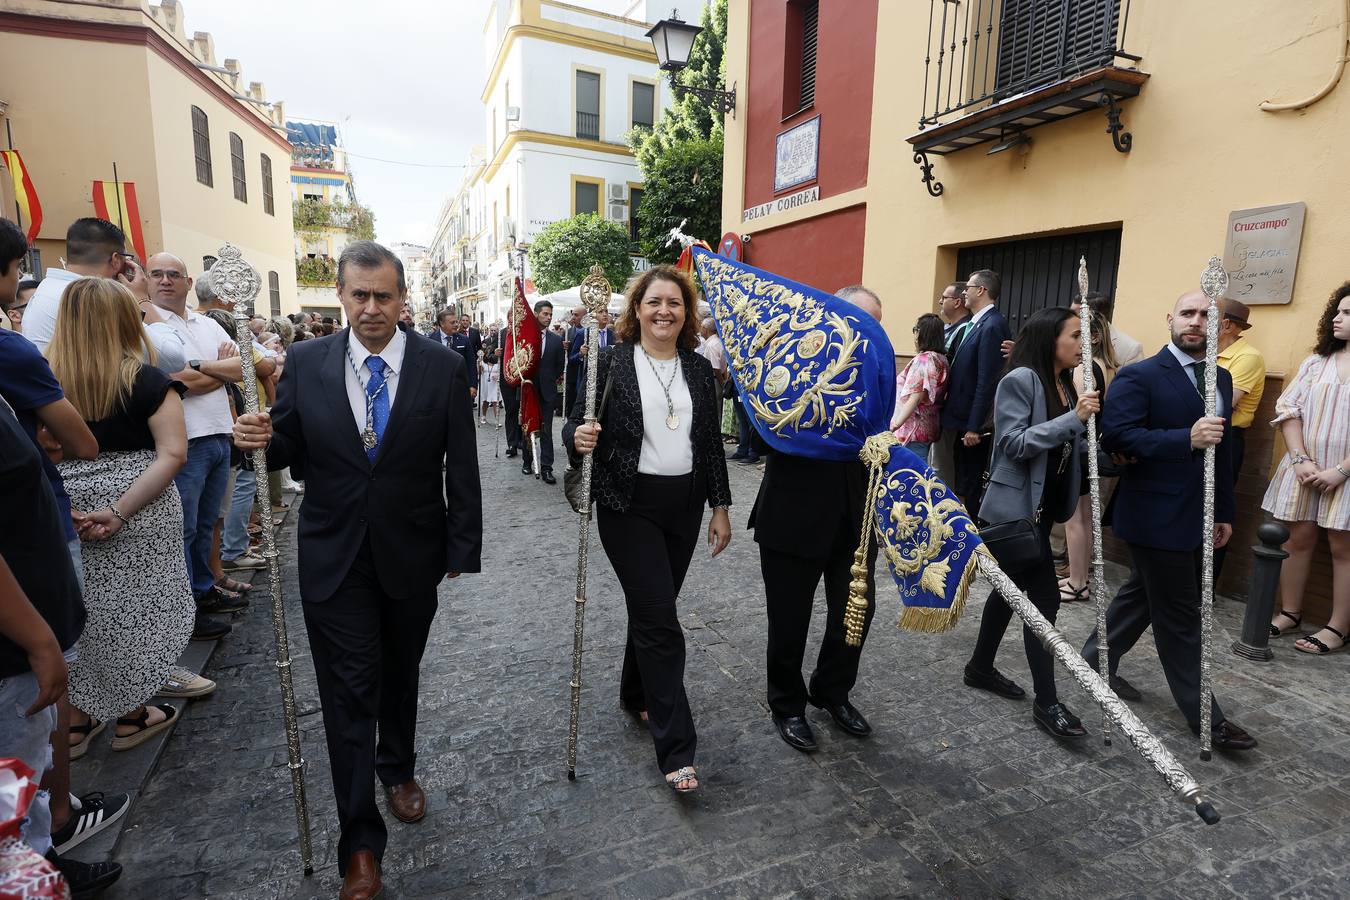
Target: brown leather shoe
<point>363,878</point>
<point>406,801</point>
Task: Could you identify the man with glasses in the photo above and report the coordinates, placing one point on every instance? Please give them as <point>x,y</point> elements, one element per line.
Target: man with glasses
<point>976,365</point>
<point>955,316</point>
<point>213,362</point>
<point>14,308</point>
<point>94,248</point>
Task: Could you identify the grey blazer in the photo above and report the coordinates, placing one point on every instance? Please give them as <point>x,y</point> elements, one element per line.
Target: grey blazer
<point>1024,443</point>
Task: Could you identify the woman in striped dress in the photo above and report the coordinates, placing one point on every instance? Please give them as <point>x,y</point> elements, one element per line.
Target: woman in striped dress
<point>1308,491</point>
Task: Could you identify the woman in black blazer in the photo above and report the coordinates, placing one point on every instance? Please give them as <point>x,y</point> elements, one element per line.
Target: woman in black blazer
<point>658,459</point>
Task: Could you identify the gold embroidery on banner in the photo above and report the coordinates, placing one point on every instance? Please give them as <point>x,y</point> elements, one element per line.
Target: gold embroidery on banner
<point>917,530</point>
<point>777,381</point>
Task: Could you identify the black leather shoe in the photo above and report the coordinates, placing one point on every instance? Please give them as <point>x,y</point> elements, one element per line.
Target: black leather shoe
<point>217,601</point>
<point>994,682</point>
<point>527,469</point>
<point>1057,720</point>
<point>796,733</point>
<point>845,716</point>
<point>1124,690</point>
<point>1230,736</point>
<point>511,452</point>
<point>547,476</point>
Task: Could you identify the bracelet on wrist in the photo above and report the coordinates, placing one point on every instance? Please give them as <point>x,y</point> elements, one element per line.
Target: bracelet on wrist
<point>1341,469</point>
<point>116,512</point>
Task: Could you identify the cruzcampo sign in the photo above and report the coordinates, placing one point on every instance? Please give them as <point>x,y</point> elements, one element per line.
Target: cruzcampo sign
<point>1260,252</point>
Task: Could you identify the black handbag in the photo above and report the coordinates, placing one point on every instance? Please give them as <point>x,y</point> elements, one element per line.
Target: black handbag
<point>1017,545</point>
<point>572,477</point>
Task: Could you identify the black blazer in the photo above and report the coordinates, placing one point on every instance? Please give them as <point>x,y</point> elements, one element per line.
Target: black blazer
<point>1159,501</point>
<point>551,363</point>
<point>803,502</point>
<point>621,430</point>
<point>421,522</point>
<point>976,367</point>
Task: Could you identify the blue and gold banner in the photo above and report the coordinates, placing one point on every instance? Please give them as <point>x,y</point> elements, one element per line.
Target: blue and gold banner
<point>818,375</point>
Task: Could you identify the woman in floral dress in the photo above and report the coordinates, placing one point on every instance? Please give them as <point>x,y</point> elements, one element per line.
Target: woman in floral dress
<point>920,389</point>
<point>1308,490</point>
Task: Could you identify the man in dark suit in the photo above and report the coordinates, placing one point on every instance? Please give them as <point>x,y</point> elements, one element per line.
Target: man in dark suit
<point>1154,414</point>
<point>378,421</point>
<point>474,341</point>
<point>576,356</point>
<point>573,334</point>
<point>806,521</point>
<point>976,366</point>
<point>551,363</point>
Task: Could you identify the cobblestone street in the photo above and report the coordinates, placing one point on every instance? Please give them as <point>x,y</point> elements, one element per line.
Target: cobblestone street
<point>956,794</point>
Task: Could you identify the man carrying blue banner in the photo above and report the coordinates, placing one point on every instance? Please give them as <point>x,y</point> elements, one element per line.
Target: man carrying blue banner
<point>806,524</point>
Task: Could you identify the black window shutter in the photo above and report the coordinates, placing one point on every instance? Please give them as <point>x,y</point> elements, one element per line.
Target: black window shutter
<point>810,29</point>
<point>1045,40</point>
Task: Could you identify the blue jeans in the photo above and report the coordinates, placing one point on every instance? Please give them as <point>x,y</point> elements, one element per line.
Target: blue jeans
<point>234,536</point>
<point>29,739</point>
<point>201,485</point>
<point>919,449</point>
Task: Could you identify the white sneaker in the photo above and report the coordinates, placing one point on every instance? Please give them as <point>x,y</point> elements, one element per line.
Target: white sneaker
<point>295,487</point>
<point>243,562</point>
<point>183,683</point>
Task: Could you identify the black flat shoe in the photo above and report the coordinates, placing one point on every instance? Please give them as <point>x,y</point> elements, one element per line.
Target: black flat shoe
<point>511,452</point>
<point>1124,690</point>
<point>796,733</point>
<point>845,716</point>
<point>527,469</point>
<point>547,476</point>
<point>1058,720</point>
<point>993,682</point>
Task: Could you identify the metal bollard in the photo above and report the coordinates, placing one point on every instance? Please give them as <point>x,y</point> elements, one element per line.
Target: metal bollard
<point>1255,642</point>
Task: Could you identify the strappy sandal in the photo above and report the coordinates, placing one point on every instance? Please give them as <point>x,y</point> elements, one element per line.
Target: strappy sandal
<point>1322,648</point>
<point>680,779</point>
<point>1276,631</point>
<point>144,731</point>
<point>87,732</point>
<point>226,583</point>
<point>1070,594</point>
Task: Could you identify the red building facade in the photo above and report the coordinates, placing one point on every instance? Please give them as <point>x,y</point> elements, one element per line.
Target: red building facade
<point>809,62</point>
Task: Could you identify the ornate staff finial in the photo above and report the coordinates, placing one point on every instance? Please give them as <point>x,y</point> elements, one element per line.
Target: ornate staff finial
<point>1082,280</point>
<point>595,291</point>
<point>234,280</point>
<point>1213,281</point>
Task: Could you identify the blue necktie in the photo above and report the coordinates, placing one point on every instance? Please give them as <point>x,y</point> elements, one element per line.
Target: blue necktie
<point>379,407</point>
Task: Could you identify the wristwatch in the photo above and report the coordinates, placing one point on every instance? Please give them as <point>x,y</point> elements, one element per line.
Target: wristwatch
<point>195,365</point>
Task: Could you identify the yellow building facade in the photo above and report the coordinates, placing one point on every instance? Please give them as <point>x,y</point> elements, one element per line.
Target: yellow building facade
<point>90,85</point>
<point>1187,85</point>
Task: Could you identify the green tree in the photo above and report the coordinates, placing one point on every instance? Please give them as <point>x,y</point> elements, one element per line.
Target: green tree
<point>688,117</point>
<point>684,183</point>
<point>563,253</point>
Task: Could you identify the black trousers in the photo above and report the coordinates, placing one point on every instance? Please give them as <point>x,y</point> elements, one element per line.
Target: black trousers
<point>511,401</point>
<point>545,437</point>
<point>968,464</point>
<point>367,650</point>
<point>1042,589</point>
<point>650,546</point>
<point>1239,439</point>
<point>569,389</point>
<point>1163,590</point>
<point>789,590</point>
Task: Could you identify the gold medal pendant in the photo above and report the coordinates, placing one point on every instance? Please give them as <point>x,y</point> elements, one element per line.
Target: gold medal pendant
<point>672,421</point>
<point>368,438</point>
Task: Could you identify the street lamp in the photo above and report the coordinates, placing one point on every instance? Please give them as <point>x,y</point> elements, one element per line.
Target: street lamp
<point>673,40</point>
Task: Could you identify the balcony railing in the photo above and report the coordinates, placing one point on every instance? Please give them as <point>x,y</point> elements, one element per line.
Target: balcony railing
<point>997,68</point>
<point>984,51</point>
<point>588,126</point>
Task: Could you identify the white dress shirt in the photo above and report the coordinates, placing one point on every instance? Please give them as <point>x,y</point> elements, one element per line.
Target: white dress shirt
<point>39,318</point>
<point>392,355</point>
<point>1186,362</point>
<point>204,414</point>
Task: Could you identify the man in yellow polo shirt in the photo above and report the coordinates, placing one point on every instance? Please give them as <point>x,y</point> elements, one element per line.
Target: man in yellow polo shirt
<point>1248,368</point>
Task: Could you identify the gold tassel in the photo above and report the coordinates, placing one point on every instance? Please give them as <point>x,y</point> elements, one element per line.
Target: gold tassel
<point>934,620</point>
<point>876,452</point>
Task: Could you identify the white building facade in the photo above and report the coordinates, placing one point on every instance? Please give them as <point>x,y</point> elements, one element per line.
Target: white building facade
<point>564,85</point>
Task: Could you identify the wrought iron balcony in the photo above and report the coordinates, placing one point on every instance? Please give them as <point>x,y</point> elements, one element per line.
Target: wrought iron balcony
<point>588,126</point>
<point>996,68</point>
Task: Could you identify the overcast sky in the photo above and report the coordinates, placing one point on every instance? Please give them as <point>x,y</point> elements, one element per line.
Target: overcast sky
<point>400,77</point>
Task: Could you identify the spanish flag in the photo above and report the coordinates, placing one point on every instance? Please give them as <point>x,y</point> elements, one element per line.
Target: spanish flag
<point>24,193</point>
<point>115,201</point>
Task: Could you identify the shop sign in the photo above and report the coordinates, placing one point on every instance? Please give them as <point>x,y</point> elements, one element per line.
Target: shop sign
<point>782,204</point>
<point>797,152</point>
<point>1261,252</point>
